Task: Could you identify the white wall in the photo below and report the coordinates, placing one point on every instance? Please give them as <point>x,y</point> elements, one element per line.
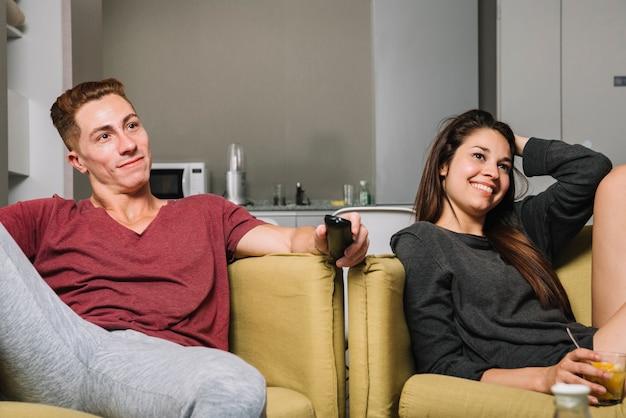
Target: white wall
<point>86,64</point>
<point>426,68</point>
<point>35,70</point>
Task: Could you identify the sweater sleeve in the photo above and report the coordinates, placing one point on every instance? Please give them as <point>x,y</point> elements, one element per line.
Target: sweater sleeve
<point>552,217</point>
<point>430,312</point>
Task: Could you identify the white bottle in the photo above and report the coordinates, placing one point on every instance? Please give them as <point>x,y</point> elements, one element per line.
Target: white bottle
<point>570,401</point>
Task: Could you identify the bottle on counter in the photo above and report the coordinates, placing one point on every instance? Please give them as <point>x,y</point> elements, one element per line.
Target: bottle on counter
<point>570,401</point>
<point>300,199</point>
<point>365,197</point>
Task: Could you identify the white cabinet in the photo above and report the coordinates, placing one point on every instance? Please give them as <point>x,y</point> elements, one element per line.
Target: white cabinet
<point>556,63</point>
<point>17,123</point>
<point>282,218</point>
<point>13,32</point>
<point>311,218</point>
<point>39,69</point>
<point>293,218</point>
<point>594,52</point>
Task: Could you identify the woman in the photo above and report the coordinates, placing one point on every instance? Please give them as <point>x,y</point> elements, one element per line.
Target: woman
<point>482,300</point>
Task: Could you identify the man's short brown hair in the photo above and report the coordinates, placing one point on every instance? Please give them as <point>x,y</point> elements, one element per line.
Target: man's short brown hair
<point>64,110</point>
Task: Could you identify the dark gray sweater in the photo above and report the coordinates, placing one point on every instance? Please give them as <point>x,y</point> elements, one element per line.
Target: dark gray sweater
<point>468,310</point>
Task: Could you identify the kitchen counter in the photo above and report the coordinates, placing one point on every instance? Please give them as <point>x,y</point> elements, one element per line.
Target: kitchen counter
<point>316,205</point>
<point>291,214</point>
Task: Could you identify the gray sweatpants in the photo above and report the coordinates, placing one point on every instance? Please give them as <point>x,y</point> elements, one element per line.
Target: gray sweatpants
<point>48,354</point>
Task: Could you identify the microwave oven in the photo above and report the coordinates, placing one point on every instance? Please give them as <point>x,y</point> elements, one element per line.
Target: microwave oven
<point>177,180</point>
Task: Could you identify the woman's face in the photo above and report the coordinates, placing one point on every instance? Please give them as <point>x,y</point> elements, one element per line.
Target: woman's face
<point>478,176</point>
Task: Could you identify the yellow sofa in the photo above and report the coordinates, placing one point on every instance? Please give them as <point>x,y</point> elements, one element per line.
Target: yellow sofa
<point>383,382</point>
<point>288,321</point>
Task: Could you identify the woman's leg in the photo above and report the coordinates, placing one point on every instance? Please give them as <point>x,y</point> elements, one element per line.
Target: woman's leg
<point>609,247</point>
<point>48,354</point>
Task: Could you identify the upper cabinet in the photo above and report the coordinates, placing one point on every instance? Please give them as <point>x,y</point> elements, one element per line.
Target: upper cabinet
<point>593,54</point>
<point>13,32</point>
<point>555,63</point>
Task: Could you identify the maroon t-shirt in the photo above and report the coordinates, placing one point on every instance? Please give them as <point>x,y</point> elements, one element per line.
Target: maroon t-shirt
<point>171,281</point>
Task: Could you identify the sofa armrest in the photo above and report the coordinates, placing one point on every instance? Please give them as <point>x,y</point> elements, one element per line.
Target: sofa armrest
<point>379,344</point>
<point>287,320</point>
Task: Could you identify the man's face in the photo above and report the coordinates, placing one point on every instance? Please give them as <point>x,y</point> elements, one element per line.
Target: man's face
<point>113,147</point>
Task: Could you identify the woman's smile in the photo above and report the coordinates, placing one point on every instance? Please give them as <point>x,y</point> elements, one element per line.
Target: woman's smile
<point>483,187</point>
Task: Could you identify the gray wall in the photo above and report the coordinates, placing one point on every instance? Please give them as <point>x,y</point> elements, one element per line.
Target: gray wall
<point>291,80</point>
<point>426,61</point>
<point>86,61</point>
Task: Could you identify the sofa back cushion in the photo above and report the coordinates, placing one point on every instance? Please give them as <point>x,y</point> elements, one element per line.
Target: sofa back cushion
<point>573,267</point>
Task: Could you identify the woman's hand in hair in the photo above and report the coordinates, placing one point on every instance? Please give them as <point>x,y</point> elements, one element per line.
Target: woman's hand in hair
<point>520,143</point>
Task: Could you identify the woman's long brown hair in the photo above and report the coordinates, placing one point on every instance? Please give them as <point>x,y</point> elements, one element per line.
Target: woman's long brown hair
<point>501,226</point>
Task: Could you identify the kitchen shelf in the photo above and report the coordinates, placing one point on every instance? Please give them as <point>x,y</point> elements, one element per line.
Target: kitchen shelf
<point>13,32</point>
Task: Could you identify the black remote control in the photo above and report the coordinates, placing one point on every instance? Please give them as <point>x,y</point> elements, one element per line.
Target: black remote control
<point>338,234</point>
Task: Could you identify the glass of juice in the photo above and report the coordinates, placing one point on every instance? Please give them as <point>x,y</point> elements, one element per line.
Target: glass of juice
<point>615,363</point>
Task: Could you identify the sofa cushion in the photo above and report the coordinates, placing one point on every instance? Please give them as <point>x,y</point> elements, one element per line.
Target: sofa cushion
<point>573,267</point>
<point>287,403</point>
<point>32,410</point>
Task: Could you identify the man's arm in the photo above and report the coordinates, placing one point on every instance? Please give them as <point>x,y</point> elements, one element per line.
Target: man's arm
<point>266,239</point>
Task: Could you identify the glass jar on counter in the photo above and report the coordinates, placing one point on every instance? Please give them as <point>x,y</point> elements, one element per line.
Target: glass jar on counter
<point>365,197</point>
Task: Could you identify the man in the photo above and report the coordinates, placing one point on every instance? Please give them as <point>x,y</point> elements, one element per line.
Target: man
<point>132,318</point>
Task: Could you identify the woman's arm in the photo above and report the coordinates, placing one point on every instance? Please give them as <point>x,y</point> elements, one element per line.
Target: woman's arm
<point>540,379</point>
<point>552,217</point>
<point>520,143</point>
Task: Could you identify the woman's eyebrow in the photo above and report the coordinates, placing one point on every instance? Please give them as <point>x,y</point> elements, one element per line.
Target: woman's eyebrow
<point>488,151</point>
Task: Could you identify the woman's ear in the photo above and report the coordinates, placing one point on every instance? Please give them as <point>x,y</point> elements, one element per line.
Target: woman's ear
<point>74,159</point>
<point>443,170</point>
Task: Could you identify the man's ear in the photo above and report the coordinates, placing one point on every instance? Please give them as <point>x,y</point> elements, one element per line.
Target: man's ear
<point>74,159</point>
